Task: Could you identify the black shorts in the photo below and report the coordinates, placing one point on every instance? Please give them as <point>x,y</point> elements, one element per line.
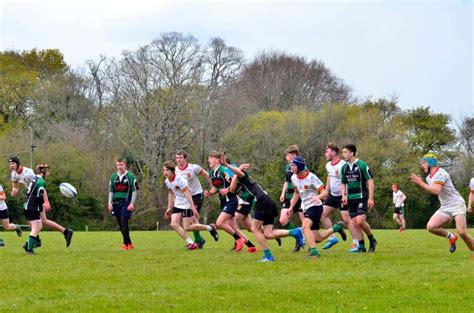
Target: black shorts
<point>399,210</point>
<point>32,215</point>
<point>230,206</point>
<point>183,212</point>
<point>119,209</point>
<point>244,209</point>
<point>357,207</point>
<point>266,210</point>
<point>334,202</point>
<point>4,214</point>
<point>197,200</point>
<point>297,208</point>
<point>314,214</point>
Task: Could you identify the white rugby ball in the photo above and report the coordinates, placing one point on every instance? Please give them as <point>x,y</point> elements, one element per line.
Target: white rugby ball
<point>68,190</point>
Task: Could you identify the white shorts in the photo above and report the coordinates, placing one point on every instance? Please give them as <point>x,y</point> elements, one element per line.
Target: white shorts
<point>452,210</point>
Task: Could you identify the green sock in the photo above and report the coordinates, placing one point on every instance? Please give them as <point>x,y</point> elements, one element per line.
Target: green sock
<point>314,251</point>
<point>31,243</point>
<point>336,228</point>
<point>197,236</point>
<point>292,232</point>
<point>362,244</point>
<point>289,226</point>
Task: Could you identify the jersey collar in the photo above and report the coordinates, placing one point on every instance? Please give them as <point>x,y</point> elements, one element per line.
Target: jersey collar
<point>431,175</point>
<point>336,163</point>
<point>20,170</point>
<point>183,168</point>
<point>306,174</point>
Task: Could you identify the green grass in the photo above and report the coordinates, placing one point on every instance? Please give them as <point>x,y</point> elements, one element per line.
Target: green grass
<point>411,272</point>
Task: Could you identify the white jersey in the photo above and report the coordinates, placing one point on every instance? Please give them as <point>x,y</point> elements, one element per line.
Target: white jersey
<point>471,184</point>
<point>178,186</point>
<point>24,177</point>
<point>398,199</point>
<point>3,205</point>
<point>448,196</point>
<point>308,187</point>
<point>191,173</point>
<point>334,174</point>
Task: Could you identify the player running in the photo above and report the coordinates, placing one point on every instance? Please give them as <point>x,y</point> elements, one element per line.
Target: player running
<point>24,175</point>
<point>357,187</point>
<point>310,189</point>
<point>438,182</point>
<point>265,211</point>
<point>287,192</point>
<point>182,207</point>
<point>5,217</point>
<point>191,173</point>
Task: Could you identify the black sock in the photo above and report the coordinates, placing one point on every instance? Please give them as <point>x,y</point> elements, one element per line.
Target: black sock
<point>66,230</point>
<point>125,231</point>
<point>362,243</point>
<point>371,237</point>
<point>236,237</point>
<point>249,244</point>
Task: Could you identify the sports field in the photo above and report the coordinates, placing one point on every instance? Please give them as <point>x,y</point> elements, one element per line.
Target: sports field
<point>411,272</point>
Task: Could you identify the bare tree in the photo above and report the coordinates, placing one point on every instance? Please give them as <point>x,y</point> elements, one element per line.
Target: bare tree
<point>278,81</point>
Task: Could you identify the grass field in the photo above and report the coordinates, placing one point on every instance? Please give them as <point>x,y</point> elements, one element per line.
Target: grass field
<point>410,272</point>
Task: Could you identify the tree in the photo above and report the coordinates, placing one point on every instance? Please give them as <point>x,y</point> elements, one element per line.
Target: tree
<point>278,81</point>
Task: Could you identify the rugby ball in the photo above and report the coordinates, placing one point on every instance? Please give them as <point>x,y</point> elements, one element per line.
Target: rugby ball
<point>68,190</point>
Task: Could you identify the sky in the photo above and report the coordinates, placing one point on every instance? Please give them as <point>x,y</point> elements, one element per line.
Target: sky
<point>419,51</point>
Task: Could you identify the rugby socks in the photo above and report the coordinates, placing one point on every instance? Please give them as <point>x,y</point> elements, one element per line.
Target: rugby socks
<point>289,226</point>
<point>189,241</point>
<point>236,236</point>
<point>355,242</point>
<point>208,227</point>
<point>267,254</point>
<point>249,244</point>
<point>293,232</point>
<point>362,244</point>
<point>450,235</point>
<point>31,243</point>
<point>371,238</point>
<point>337,228</point>
<point>197,236</point>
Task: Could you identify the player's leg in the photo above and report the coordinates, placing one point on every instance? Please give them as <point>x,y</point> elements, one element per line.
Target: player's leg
<point>175,224</point>
<point>67,232</point>
<point>435,226</point>
<point>396,219</point>
<point>346,218</point>
<point>401,216</point>
<point>197,200</point>
<point>361,221</point>
<point>327,224</point>
<point>33,240</point>
<point>258,229</point>
<point>242,216</point>
<point>461,228</point>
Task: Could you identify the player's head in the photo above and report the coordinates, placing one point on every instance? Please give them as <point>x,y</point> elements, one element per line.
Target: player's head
<point>429,161</point>
<point>14,162</point>
<point>121,164</point>
<point>395,187</point>
<point>42,169</point>
<point>291,152</point>
<point>298,164</point>
<point>169,169</point>
<point>214,158</point>
<point>181,158</point>
<point>349,151</point>
<point>332,150</point>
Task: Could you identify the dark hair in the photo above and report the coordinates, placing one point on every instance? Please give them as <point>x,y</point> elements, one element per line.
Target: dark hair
<point>333,147</point>
<point>293,149</point>
<point>170,165</point>
<point>352,148</point>
<point>183,153</point>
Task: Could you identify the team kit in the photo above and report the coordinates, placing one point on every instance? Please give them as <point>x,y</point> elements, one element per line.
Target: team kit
<point>244,203</point>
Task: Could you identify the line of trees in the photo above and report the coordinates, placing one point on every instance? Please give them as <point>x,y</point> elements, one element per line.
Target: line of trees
<point>177,93</point>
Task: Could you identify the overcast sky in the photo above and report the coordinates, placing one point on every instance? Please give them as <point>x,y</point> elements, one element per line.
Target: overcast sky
<point>418,50</point>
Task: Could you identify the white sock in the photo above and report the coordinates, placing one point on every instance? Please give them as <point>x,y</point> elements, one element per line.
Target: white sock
<point>332,237</point>
<point>450,235</point>
<point>356,242</point>
<point>189,241</point>
<point>208,227</point>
